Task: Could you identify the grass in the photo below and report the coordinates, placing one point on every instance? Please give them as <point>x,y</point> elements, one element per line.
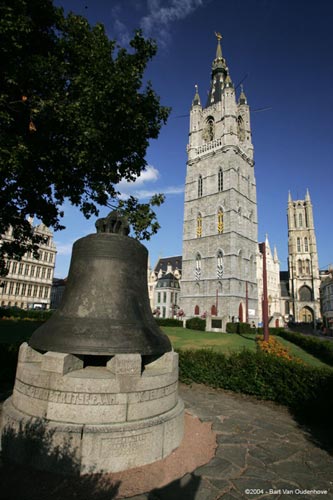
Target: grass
<point>230,342</point>
<point>12,332</point>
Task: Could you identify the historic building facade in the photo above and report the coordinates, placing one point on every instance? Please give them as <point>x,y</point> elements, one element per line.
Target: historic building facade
<point>220,214</point>
<point>29,281</point>
<point>273,286</point>
<point>304,278</point>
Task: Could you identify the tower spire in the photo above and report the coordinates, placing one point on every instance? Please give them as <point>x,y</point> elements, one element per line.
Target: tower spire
<point>219,48</point>
<point>219,74</point>
<point>196,100</point>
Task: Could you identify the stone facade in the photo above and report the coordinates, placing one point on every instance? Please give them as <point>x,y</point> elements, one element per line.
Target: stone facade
<point>304,279</point>
<point>326,297</point>
<point>273,286</point>
<point>29,281</point>
<point>108,418</point>
<point>220,212</point>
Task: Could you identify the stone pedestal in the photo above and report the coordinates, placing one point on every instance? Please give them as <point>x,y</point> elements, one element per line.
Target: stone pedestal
<point>100,418</point>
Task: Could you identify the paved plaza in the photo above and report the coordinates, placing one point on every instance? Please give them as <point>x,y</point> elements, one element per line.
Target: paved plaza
<point>262,452</point>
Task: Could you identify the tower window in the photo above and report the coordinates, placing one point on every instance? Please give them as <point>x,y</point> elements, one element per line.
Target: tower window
<point>306,244</point>
<point>220,267</point>
<point>199,226</point>
<point>199,186</point>
<point>298,244</point>
<point>300,220</point>
<point>220,224</point>
<point>240,128</point>
<point>197,267</point>
<point>220,180</point>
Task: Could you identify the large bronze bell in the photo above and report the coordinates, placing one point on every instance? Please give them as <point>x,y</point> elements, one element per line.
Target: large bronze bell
<point>105,309</point>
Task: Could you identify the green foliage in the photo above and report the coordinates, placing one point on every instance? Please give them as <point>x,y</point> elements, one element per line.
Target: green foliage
<point>272,330</point>
<point>169,322</point>
<point>36,314</point>
<point>263,375</point>
<point>196,324</point>
<point>239,328</point>
<point>76,118</point>
<point>322,349</point>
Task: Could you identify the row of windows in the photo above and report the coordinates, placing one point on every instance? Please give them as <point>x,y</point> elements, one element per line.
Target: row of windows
<point>219,266</point>
<point>162,297</point>
<point>219,183</point>
<point>29,270</point>
<point>45,256</point>
<point>219,223</point>
<point>25,290</point>
<point>305,244</point>
<point>303,266</point>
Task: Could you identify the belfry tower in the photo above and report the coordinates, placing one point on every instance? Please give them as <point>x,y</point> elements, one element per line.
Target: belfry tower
<point>220,213</point>
<point>304,280</point>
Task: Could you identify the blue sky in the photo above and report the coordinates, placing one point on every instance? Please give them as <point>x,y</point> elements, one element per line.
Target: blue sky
<point>284,50</point>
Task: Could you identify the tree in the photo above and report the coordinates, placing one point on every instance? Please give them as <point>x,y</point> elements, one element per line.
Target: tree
<point>75,120</point>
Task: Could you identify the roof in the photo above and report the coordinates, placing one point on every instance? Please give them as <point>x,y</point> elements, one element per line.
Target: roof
<point>175,262</point>
<point>168,281</point>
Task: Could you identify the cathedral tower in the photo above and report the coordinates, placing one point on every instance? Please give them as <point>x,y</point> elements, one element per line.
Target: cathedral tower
<point>304,281</point>
<point>220,212</point>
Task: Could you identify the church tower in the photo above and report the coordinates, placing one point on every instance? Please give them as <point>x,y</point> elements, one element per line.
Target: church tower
<point>304,280</point>
<point>220,213</point>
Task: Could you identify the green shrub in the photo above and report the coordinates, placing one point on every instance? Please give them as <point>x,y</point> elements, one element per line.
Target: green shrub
<point>321,349</point>
<point>17,313</point>
<point>239,328</point>
<point>302,388</point>
<point>168,322</point>
<point>196,324</point>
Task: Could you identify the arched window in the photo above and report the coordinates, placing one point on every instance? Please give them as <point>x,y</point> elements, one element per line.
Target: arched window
<point>305,293</point>
<point>298,244</point>
<point>196,310</point>
<point>199,186</point>
<point>197,272</point>
<point>307,266</point>
<point>199,226</point>
<point>220,266</point>
<point>306,244</point>
<point>240,128</point>
<point>220,222</point>
<point>220,180</point>
<point>300,220</point>
<point>300,266</point>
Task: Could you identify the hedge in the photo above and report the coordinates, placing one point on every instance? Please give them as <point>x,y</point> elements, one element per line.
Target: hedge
<point>168,322</point>
<point>300,387</point>
<point>321,349</point>
<point>196,324</point>
<point>15,312</point>
<point>239,328</point>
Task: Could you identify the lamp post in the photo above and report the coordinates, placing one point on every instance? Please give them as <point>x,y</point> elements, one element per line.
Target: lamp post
<point>262,248</point>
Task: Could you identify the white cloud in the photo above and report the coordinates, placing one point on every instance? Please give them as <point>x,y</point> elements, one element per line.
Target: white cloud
<point>138,188</point>
<point>160,14</point>
<point>142,194</point>
<point>64,248</point>
<point>150,174</point>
